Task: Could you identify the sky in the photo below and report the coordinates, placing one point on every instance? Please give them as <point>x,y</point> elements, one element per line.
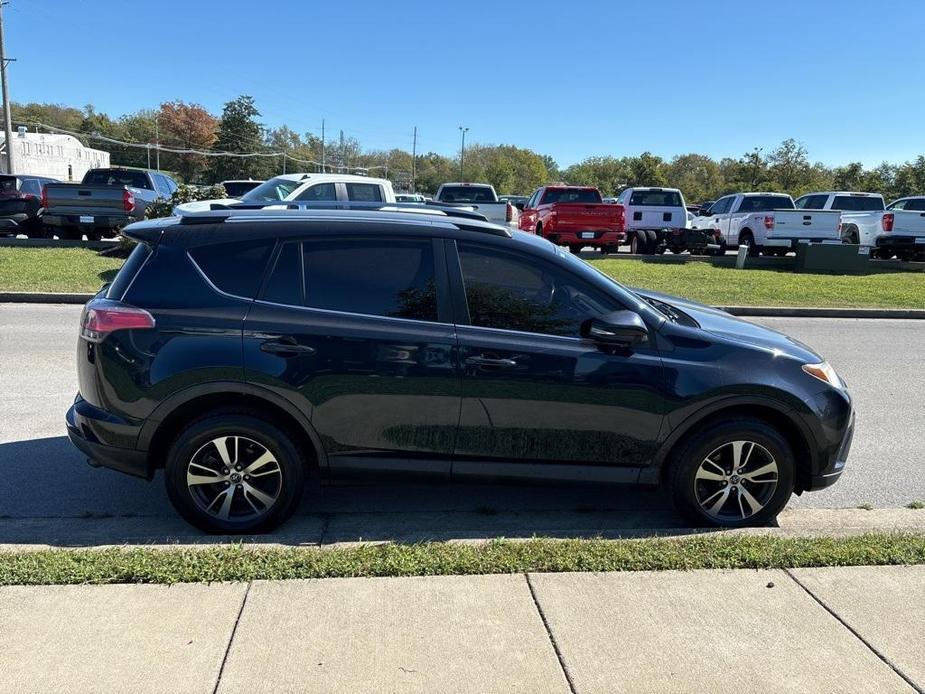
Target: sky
<point>568,79</point>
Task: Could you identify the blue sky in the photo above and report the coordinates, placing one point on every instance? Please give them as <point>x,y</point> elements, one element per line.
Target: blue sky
<point>569,79</point>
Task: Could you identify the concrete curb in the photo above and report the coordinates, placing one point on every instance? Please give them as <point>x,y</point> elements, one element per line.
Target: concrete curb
<point>743,311</point>
<point>44,298</point>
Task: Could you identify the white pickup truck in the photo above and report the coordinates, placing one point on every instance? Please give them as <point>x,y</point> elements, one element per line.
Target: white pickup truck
<point>482,198</point>
<point>304,187</point>
<point>767,223</point>
<point>897,229</point>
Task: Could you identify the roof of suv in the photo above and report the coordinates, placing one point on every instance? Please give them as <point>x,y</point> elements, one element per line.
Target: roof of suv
<point>151,230</point>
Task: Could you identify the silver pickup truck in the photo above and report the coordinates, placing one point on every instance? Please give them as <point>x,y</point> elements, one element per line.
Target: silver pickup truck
<point>104,202</point>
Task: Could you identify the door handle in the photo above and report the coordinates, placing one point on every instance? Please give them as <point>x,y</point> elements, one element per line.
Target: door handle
<point>286,348</point>
<point>488,361</point>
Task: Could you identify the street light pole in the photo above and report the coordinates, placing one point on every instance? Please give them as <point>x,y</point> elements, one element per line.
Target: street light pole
<point>462,155</point>
<point>7,125</point>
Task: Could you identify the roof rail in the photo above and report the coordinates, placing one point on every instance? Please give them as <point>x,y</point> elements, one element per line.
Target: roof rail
<point>435,209</point>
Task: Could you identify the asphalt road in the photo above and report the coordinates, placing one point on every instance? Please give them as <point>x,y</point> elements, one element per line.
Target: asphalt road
<point>43,477</point>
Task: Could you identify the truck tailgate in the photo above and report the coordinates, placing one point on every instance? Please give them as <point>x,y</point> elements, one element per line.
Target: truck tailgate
<point>494,211</point>
<point>815,225</point>
<point>586,215</point>
<point>908,222</point>
<point>656,217</point>
<point>75,198</point>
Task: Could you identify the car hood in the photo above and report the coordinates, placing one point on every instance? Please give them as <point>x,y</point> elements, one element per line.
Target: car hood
<point>720,323</point>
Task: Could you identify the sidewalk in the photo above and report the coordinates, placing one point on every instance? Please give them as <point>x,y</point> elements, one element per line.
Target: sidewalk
<point>802,630</point>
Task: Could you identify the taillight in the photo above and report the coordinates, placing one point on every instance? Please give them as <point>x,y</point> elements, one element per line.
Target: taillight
<point>509,212</point>
<point>44,196</point>
<point>621,218</point>
<point>99,321</point>
<point>769,222</point>
<point>128,200</point>
<point>887,221</point>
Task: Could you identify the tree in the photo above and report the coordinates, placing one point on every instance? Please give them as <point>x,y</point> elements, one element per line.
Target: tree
<point>186,126</point>
<point>697,176</point>
<point>239,131</point>
<point>608,174</point>
<point>789,167</point>
<point>647,170</point>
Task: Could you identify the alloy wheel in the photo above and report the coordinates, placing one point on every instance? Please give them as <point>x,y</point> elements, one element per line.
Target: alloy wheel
<point>735,481</point>
<point>234,478</point>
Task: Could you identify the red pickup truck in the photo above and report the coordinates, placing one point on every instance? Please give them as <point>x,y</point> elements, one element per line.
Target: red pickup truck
<point>574,216</point>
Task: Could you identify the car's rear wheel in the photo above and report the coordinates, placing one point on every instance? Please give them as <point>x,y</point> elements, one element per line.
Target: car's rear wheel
<point>850,235</point>
<point>638,244</point>
<point>747,239</point>
<point>738,473</point>
<point>233,472</point>
<point>575,249</point>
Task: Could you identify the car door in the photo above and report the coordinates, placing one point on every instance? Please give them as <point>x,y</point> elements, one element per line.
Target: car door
<point>719,216</point>
<point>355,330</point>
<point>537,399</point>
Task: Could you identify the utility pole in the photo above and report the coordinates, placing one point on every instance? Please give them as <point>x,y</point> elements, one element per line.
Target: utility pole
<point>148,147</point>
<point>343,153</point>
<point>322,146</point>
<point>7,125</point>
<point>157,143</point>
<point>414,158</point>
<point>462,155</point>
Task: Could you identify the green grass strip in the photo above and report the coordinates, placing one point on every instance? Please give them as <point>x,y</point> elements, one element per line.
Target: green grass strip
<point>250,562</point>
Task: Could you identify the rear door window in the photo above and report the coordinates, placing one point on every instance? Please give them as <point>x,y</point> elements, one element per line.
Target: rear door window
<point>918,205</point>
<point>378,277</point>
<point>235,268</point>
<point>285,285</point>
<point>364,192</point>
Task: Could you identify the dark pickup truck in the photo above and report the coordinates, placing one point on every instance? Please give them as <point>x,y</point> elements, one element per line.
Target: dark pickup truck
<point>104,202</point>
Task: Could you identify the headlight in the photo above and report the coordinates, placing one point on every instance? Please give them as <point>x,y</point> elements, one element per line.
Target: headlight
<point>824,372</point>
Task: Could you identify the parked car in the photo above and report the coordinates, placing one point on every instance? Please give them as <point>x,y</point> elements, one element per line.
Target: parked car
<point>865,220</point>
<point>657,219</point>
<point>482,198</point>
<point>238,188</point>
<point>21,203</point>
<point>574,216</point>
<point>105,201</point>
<point>240,356</point>
<point>305,187</point>
<point>767,223</point>
<point>518,201</point>
<point>416,198</point>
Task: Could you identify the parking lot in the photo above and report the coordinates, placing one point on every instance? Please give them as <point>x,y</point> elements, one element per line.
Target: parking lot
<point>52,496</point>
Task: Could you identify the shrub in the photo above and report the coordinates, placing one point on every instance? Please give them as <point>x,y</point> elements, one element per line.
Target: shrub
<point>184,193</point>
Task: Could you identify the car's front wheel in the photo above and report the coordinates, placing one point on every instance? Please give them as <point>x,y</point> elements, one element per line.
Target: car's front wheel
<point>234,473</point>
<point>738,473</point>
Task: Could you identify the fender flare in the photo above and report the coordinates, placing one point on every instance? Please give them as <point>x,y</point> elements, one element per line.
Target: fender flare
<point>166,407</point>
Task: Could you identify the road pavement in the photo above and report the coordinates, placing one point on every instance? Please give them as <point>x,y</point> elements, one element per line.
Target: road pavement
<point>44,477</point>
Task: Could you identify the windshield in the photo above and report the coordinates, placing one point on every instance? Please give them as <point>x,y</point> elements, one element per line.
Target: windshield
<point>857,203</point>
<point>272,190</point>
<point>656,198</point>
<point>467,194</point>
<point>586,195</point>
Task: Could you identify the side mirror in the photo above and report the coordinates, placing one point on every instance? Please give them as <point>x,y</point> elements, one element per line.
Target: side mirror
<point>616,329</point>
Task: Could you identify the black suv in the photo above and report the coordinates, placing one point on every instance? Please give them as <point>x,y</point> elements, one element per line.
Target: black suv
<point>239,350</point>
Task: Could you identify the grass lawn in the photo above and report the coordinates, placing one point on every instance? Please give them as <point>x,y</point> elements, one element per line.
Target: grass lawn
<point>79,270</point>
<point>55,269</point>
<point>728,287</point>
<point>247,563</point>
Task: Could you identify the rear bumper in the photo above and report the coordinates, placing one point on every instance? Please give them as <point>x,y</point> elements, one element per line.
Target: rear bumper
<point>13,220</point>
<point>93,431</point>
<point>586,237</point>
<point>902,242</point>
<point>103,221</point>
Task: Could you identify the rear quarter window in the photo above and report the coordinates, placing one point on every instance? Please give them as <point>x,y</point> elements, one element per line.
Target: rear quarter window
<point>127,272</point>
<point>235,268</point>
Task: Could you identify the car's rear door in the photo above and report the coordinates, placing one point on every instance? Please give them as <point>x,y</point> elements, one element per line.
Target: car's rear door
<point>353,326</point>
<point>538,400</point>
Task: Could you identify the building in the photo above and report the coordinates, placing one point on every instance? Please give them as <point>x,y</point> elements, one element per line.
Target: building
<point>49,154</point>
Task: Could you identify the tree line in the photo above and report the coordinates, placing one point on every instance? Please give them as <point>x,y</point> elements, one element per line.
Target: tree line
<point>510,169</point>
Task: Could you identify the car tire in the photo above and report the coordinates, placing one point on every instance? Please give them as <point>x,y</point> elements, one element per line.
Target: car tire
<point>706,488</point>
<point>258,502</point>
<point>575,250</point>
<point>747,239</point>
<point>850,235</point>
<point>637,244</point>
<point>70,233</point>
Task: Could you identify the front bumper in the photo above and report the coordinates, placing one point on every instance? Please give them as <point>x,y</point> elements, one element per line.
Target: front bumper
<point>93,431</point>
<point>833,458</point>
